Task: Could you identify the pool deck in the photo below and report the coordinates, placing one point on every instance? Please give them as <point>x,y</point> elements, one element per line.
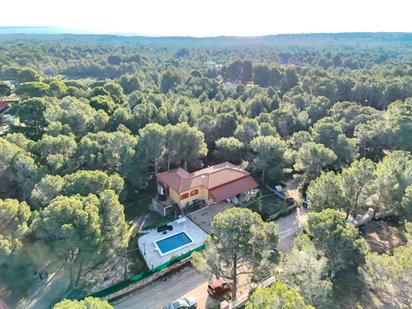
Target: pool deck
<point>151,253</point>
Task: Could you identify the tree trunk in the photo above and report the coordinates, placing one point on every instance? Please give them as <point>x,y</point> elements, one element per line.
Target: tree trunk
<point>357,201</point>
<point>375,209</point>
<point>71,270</point>
<point>79,273</point>
<point>234,278</point>
<point>185,164</point>
<point>168,163</point>
<point>156,168</point>
<point>263,176</point>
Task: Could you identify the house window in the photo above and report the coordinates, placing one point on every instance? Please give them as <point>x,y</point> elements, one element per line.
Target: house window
<point>184,196</point>
<point>194,192</point>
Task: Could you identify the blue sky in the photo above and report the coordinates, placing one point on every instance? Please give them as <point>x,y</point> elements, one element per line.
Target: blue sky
<point>210,18</point>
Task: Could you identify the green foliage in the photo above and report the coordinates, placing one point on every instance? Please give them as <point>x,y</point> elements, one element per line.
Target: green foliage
<point>152,145</point>
<point>87,303</point>
<point>388,276</point>
<point>230,149</point>
<point>31,113</point>
<point>269,156</point>
<point>129,83</point>
<point>392,178</point>
<point>102,102</point>
<point>239,70</point>
<point>82,229</point>
<point>299,138</point>
<point>32,89</point>
<point>247,130</point>
<point>184,144</point>
<point>337,239</point>
<point>311,158</point>
<point>115,91</point>
<point>407,203</point>
<point>5,89</point>
<point>18,171</point>
<point>57,88</point>
<point>277,295</point>
<point>170,79</point>
<point>111,152</point>
<point>28,75</point>
<point>304,269</point>
<point>57,152</point>
<point>326,192</point>
<point>356,182</point>
<point>133,106</point>
<point>329,133</point>
<point>78,115</point>
<point>239,238</point>
<point>80,182</point>
<point>14,222</point>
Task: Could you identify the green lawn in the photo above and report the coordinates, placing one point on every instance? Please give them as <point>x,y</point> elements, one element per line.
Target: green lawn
<point>267,204</point>
<point>137,204</point>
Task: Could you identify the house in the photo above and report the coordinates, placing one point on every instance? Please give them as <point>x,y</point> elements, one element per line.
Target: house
<point>212,184</point>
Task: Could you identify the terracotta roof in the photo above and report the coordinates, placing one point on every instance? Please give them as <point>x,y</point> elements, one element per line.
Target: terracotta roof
<point>233,188</point>
<point>211,177</point>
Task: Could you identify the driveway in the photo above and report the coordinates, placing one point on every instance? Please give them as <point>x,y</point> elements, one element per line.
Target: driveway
<point>289,226</point>
<point>203,217</point>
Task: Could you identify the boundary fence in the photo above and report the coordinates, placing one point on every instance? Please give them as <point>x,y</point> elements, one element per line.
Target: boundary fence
<point>138,277</point>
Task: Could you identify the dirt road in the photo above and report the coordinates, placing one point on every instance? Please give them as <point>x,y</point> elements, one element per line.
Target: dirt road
<point>185,283</point>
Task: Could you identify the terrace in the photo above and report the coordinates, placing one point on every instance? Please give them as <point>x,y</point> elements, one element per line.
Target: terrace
<point>180,237</point>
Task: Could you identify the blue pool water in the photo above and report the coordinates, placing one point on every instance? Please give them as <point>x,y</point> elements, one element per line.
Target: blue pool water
<point>173,242</point>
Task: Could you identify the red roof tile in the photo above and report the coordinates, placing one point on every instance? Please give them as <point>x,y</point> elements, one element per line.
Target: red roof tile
<point>233,188</point>
<point>211,177</point>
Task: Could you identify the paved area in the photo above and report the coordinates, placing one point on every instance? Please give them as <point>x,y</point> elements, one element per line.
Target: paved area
<point>186,283</point>
<point>203,217</point>
<point>151,251</point>
<point>289,226</point>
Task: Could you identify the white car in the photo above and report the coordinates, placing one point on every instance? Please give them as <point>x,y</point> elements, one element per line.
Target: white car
<point>184,303</point>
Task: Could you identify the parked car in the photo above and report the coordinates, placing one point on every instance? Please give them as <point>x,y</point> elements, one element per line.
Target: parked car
<point>218,287</point>
<point>183,303</point>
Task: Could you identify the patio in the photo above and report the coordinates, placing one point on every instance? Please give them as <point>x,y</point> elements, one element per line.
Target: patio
<point>203,217</point>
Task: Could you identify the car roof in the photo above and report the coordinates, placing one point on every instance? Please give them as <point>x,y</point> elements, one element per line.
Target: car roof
<point>189,301</point>
<point>216,283</point>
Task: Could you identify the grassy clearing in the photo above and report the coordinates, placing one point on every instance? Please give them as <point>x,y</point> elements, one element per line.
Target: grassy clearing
<point>267,204</point>
<point>137,203</point>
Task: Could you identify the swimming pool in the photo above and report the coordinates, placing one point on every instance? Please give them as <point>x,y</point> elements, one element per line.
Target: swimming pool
<point>174,242</point>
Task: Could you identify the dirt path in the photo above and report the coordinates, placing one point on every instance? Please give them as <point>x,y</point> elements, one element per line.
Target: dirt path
<point>50,293</point>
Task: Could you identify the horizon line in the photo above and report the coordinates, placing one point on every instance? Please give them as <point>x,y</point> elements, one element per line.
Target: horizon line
<point>77,31</point>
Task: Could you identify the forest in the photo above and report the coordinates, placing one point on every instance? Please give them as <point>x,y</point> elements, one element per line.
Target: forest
<point>97,116</point>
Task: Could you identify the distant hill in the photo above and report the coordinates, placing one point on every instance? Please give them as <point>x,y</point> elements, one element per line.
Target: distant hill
<point>355,38</point>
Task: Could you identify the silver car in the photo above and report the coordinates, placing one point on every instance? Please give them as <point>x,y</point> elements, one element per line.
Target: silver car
<point>183,303</point>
